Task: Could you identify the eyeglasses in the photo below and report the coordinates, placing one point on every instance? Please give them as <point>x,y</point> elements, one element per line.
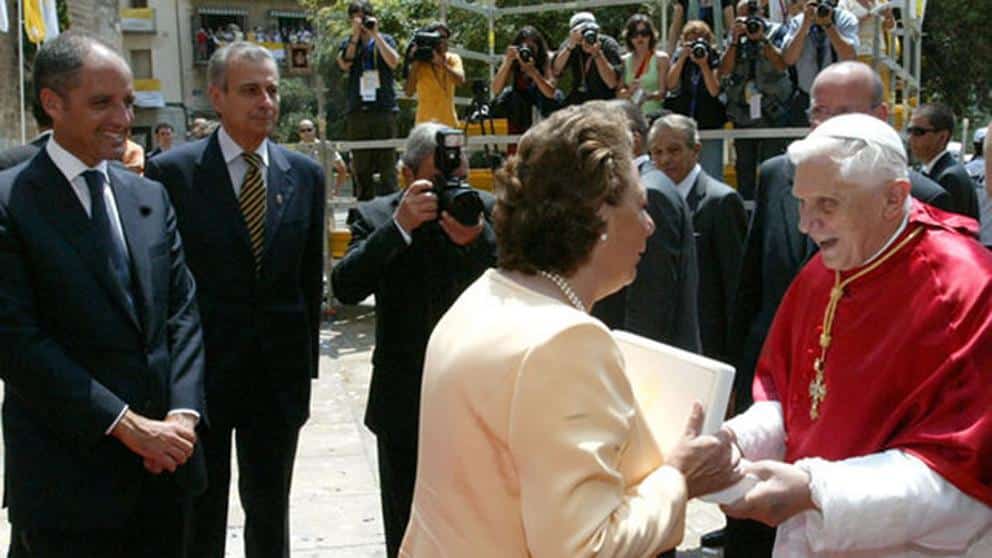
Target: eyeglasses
<point>306,129</point>
<point>918,131</point>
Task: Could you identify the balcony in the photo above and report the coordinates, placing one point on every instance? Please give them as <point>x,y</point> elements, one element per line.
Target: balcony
<point>138,20</point>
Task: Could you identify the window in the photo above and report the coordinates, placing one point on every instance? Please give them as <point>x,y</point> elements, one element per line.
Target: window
<point>141,64</point>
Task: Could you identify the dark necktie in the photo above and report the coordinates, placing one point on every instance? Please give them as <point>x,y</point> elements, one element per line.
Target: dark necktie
<point>252,202</point>
<point>106,240</point>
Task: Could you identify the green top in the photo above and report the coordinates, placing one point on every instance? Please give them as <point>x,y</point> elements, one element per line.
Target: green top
<point>649,81</point>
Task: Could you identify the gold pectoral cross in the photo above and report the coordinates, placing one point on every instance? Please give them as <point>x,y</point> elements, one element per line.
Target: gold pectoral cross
<point>817,390</point>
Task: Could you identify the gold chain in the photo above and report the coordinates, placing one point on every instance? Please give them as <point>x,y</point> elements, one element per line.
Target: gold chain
<point>818,387</point>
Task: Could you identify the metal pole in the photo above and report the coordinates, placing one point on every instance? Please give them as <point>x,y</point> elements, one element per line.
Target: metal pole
<point>20,66</point>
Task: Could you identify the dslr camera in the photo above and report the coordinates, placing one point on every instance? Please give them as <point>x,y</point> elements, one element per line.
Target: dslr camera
<point>454,195</point>
<point>424,44</point>
<point>699,48</point>
<point>825,8</point>
<point>590,33</point>
<point>369,22</point>
<point>525,54</point>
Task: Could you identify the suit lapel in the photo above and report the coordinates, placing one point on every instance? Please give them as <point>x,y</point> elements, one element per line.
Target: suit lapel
<point>942,163</point>
<point>697,193</point>
<point>801,247</point>
<point>133,216</point>
<point>214,184</point>
<point>61,207</point>
<point>280,187</point>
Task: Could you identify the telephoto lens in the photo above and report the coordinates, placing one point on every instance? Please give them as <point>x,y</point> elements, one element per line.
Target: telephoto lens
<point>369,23</point>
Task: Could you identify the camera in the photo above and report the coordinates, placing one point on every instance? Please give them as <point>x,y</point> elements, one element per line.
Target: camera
<point>590,33</point>
<point>525,54</point>
<point>369,22</point>
<point>424,44</point>
<point>824,9</point>
<point>454,195</point>
<point>754,25</point>
<point>699,48</point>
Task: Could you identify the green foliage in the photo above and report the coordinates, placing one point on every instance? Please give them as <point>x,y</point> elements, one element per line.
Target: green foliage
<point>297,100</point>
<point>957,57</point>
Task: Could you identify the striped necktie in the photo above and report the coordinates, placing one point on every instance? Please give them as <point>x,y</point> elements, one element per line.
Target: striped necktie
<point>252,202</point>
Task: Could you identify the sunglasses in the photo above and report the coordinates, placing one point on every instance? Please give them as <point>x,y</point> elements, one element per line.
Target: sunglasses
<point>641,33</point>
<point>306,129</point>
<point>918,131</point>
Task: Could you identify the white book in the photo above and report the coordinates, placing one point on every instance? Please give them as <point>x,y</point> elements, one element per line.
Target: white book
<point>666,381</point>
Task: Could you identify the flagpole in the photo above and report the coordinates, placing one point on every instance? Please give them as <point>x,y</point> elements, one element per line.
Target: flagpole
<point>20,65</point>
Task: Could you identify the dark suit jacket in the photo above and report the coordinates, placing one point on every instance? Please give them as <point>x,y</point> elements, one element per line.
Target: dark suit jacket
<point>73,353</point>
<point>774,253</point>
<point>720,223</point>
<point>953,177</point>
<point>414,286</point>
<point>19,154</point>
<point>661,301</point>
<point>261,331</point>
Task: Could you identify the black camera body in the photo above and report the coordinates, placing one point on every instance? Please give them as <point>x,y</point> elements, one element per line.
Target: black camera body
<point>454,195</point>
<point>590,33</point>
<point>424,44</point>
<point>699,48</point>
<point>369,22</point>
<point>525,54</point>
<point>825,8</point>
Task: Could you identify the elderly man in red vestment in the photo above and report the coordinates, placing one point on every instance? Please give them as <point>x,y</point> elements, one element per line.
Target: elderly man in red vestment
<point>871,432</point>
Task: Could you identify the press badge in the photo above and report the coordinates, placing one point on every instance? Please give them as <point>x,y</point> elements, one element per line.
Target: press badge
<point>369,85</point>
<point>753,97</point>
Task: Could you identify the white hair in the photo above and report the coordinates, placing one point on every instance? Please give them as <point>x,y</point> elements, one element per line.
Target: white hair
<point>858,161</point>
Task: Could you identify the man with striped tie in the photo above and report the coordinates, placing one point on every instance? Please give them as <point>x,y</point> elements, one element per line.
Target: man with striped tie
<point>251,214</point>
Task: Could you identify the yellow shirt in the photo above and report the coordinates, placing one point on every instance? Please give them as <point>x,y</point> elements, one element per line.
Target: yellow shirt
<point>436,91</point>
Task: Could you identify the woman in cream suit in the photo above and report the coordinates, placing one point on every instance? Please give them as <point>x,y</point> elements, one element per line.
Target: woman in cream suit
<point>531,443</point>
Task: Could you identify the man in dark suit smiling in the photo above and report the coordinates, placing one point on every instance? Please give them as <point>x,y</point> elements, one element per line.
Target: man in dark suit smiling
<point>252,216</point>
<point>100,341</point>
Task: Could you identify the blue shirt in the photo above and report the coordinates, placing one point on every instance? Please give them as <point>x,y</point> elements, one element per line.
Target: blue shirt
<point>367,57</point>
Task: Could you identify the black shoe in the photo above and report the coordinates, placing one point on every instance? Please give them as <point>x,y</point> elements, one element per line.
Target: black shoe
<point>714,539</point>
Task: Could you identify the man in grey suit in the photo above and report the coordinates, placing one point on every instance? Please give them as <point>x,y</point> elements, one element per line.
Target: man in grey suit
<point>661,301</point>
<point>719,222</point>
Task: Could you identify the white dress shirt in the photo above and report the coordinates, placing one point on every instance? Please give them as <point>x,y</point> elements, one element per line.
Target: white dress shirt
<point>688,182</point>
<point>929,166</point>
<point>237,166</point>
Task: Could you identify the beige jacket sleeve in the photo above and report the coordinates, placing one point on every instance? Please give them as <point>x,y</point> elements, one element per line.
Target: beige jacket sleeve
<point>589,477</point>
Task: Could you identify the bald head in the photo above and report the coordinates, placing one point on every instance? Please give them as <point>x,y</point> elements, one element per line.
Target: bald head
<point>847,87</point>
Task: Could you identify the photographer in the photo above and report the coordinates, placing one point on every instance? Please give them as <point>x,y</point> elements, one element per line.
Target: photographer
<point>411,253</point>
<point>594,59</point>
<point>433,75</point>
<point>819,36</point>
<point>524,81</point>
<point>759,91</point>
<point>702,10</point>
<point>369,58</point>
<point>645,68</point>
<point>694,90</point>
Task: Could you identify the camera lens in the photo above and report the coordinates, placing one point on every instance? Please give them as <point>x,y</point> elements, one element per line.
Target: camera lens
<point>369,22</point>
<point>823,10</point>
<point>754,25</point>
<point>525,54</point>
<point>700,49</point>
<point>590,36</point>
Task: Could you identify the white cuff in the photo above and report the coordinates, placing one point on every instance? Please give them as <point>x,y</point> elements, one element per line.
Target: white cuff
<point>406,236</point>
<point>760,431</point>
<point>113,425</point>
<point>191,412</point>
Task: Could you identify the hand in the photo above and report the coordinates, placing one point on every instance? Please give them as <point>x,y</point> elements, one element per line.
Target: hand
<point>460,234</point>
<point>782,492</point>
<point>740,29</point>
<point>593,50</point>
<point>702,61</point>
<point>678,11</point>
<point>438,60</point>
<point>163,444</point>
<point>707,462</point>
<point>356,27</point>
<point>512,54</point>
<point>417,206</point>
<point>575,37</point>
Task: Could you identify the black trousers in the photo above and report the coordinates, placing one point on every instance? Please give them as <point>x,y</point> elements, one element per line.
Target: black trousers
<point>748,539</point>
<point>397,476</point>
<point>750,154</point>
<point>266,451</point>
<point>158,529</point>
<point>373,170</point>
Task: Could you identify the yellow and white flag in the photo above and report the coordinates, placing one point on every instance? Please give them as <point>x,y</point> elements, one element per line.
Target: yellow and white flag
<point>4,23</point>
<point>51,14</point>
<point>34,21</point>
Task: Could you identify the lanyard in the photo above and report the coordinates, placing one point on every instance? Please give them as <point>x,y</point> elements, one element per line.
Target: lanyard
<point>370,47</point>
<point>696,75</point>
<point>643,66</point>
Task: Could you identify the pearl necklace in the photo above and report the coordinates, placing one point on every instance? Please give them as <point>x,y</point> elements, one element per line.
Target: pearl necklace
<point>565,289</point>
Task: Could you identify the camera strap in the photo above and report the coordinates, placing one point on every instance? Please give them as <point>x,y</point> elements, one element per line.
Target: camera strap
<point>643,65</point>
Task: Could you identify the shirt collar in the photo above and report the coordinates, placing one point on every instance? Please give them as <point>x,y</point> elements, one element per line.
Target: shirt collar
<point>929,166</point>
<point>231,150</point>
<point>685,186</point>
<point>70,165</point>
<point>895,235</point>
